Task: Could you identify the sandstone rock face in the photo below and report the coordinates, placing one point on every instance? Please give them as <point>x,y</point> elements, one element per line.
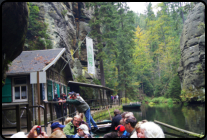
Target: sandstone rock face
<point>192,45</point>
<point>68,27</point>
<point>14,29</point>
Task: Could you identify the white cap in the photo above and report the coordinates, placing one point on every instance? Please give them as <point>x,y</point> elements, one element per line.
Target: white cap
<point>19,135</point>
<point>84,128</point>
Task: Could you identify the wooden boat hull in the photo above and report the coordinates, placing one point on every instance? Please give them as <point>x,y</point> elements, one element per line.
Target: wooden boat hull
<point>104,126</point>
<point>132,106</point>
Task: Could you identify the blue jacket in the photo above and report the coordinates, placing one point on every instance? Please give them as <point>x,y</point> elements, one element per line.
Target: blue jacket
<point>125,134</point>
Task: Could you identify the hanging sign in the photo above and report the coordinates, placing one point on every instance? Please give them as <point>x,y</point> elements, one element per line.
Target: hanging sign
<point>90,56</point>
<point>33,77</point>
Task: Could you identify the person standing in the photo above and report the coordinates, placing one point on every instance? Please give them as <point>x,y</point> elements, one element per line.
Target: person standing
<point>82,107</point>
<point>62,96</point>
<point>57,106</point>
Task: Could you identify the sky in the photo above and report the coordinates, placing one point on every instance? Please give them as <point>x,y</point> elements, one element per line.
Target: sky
<point>140,7</point>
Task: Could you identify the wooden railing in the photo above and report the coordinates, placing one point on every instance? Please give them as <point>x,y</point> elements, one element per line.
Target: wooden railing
<point>93,103</point>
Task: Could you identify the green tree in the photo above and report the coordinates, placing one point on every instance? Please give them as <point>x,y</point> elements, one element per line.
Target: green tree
<point>37,37</point>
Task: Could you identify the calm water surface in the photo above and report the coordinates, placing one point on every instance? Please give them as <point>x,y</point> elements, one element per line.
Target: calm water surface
<point>190,117</point>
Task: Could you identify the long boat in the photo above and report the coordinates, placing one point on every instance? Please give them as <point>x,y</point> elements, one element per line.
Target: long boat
<point>132,106</point>
<point>104,126</point>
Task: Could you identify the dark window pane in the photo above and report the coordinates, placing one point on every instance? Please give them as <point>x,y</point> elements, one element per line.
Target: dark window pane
<point>17,92</point>
<point>18,81</point>
<point>23,92</point>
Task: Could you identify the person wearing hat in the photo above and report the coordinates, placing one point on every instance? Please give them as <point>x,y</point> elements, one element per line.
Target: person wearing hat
<point>82,107</point>
<point>122,133</point>
<point>82,132</point>
<point>57,126</point>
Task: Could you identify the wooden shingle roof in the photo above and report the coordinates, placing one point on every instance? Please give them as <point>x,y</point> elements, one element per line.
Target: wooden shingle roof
<point>37,60</point>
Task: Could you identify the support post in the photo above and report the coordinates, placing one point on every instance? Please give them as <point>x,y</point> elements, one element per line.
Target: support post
<point>28,119</point>
<point>38,93</point>
<point>62,113</point>
<point>51,113</point>
<point>18,119</point>
<point>45,117</point>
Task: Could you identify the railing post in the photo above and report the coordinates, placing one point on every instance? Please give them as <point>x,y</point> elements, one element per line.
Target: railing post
<point>18,120</point>
<point>51,113</point>
<point>45,117</point>
<point>28,119</point>
<point>62,113</point>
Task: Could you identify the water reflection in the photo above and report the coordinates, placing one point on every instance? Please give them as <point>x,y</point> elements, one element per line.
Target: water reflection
<point>191,117</point>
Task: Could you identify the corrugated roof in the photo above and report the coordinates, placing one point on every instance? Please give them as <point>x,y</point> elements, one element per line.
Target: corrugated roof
<point>29,61</point>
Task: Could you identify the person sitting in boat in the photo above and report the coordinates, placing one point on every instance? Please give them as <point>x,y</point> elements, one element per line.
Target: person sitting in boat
<point>71,127</point>
<point>130,126</point>
<point>122,133</point>
<point>137,126</point>
<point>150,130</point>
<point>116,119</point>
<point>32,134</point>
<point>82,132</point>
<point>57,126</point>
<point>58,134</point>
<point>123,117</point>
<point>68,119</point>
<point>83,122</point>
<point>127,115</point>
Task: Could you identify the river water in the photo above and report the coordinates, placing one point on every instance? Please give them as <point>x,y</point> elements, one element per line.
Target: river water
<point>190,117</point>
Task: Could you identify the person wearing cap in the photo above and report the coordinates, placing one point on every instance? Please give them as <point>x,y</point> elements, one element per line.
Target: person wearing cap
<point>57,126</point>
<point>116,119</point>
<point>122,133</point>
<point>82,107</point>
<point>82,132</point>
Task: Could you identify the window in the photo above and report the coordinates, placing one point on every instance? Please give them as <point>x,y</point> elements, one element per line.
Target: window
<point>20,89</point>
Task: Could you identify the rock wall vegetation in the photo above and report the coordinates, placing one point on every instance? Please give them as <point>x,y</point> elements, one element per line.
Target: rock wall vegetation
<point>62,25</point>
<point>192,64</point>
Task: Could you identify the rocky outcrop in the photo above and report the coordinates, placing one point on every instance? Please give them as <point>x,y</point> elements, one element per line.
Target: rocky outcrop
<point>68,27</point>
<point>192,45</point>
<point>14,28</point>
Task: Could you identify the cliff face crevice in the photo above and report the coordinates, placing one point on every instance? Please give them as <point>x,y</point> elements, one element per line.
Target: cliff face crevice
<point>192,45</point>
<point>67,28</point>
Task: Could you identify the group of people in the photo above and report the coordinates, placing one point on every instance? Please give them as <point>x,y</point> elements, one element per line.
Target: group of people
<point>114,97</point>
<point>125,125</point>
<point>74,128</point>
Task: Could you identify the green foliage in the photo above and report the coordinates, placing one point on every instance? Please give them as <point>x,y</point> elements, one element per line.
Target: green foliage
<point>37,37</point>
<point>64,12</point>
<point>125,100</point>
<point>174,89</point>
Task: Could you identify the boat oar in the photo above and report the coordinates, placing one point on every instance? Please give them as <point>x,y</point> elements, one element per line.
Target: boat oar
<point>109,113</point>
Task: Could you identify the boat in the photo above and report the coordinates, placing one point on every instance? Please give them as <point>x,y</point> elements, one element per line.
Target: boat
<point>104,126</point>
<point>132,106</point>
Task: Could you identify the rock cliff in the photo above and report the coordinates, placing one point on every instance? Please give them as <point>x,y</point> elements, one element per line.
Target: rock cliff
<point>192,64</point>
<point>68,27</point>
<point>14,29</point>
